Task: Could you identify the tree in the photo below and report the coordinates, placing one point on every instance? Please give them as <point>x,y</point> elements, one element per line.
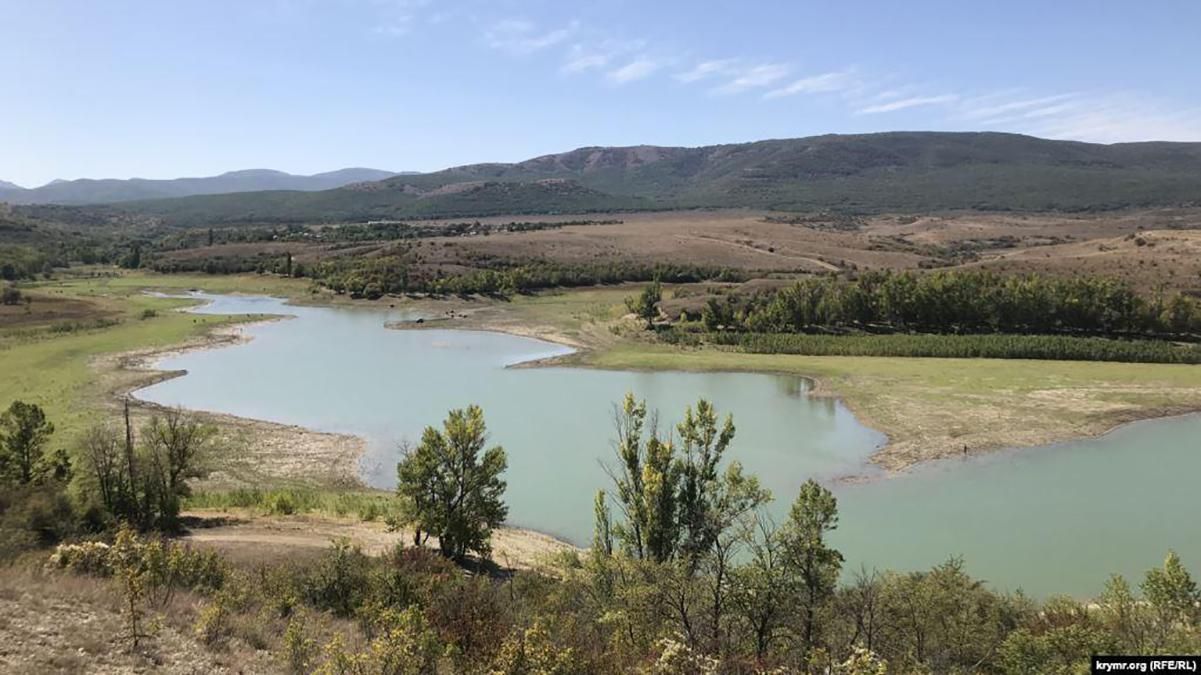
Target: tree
<point>1173,597</point>
<point>765,588</point>
<point>710,502</point>
<point>24,431</point>
<point>11,295</point>
<point>144,482</point>
<point>646,305</point>
<point>675,501</point>
<point>451,487</point>
<point>813,514</point>
<point>646,479</point>
<point>175,448</point>
<point>133,259</point>
<point>102,463</point>
<point>602,530</point>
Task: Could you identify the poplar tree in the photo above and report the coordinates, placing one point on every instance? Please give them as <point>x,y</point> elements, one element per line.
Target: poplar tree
<point>451,486</point>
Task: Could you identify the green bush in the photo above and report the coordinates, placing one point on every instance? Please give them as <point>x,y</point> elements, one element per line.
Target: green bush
<point>339,580</point>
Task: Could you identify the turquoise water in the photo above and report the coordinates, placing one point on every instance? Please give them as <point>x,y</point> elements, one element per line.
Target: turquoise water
<point>341,370</point>
<point>1057,519</point>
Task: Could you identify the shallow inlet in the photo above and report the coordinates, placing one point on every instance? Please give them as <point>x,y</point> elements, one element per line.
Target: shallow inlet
<point>1048,520</point>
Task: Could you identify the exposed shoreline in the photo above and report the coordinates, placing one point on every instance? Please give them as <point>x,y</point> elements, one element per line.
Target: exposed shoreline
<point>295,454</point>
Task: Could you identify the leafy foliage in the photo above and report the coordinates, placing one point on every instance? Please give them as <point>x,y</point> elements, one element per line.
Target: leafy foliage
<point>24,431</point>
<point>144,483</point>
<point>963,301</point>
<point>450,486</point>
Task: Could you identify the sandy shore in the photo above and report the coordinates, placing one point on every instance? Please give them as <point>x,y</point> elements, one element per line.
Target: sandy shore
<point>246,535</point>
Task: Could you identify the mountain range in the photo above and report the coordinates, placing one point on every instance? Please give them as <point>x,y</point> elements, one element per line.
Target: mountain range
<point>104,191</point>
<point>894,171</point>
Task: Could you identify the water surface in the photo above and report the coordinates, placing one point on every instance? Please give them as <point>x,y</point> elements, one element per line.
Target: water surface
<point>341,370</point>
<point>1047,520</point>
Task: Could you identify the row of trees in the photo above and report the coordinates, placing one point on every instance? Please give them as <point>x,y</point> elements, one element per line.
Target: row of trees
<point>958,301</point>
<point>372,277</point>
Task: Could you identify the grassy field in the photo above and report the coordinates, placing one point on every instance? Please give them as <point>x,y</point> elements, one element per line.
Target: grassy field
<point>53,363</point>
<point>932,408</point>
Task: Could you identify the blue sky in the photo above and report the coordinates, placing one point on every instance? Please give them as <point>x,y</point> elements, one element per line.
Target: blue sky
<point>162,89</point>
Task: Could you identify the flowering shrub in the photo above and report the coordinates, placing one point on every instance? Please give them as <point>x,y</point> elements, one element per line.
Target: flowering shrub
<point>166,564</point>
<point>89,557</point>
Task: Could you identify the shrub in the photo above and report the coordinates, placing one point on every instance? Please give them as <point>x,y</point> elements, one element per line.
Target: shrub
<point>163,566</point>
<point>89,557</point>
<point>11,295</point>
<point>299,649</point>
<point>212,625</point>
<point>338,581</point>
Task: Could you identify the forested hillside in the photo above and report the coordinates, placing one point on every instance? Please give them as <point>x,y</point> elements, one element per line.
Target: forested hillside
<point>857,173</point>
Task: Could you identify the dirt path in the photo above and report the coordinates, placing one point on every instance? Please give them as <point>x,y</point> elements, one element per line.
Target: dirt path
<point>249,538</point>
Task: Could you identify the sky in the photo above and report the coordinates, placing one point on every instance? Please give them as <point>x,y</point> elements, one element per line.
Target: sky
<point>161,89</point>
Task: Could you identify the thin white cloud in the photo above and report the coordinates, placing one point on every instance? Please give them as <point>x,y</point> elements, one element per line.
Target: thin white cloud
<point>637,69</point>
<point>1049,111</point>
<point>584,56</point>
<point>753,77</point>
<point>394,28</point>
<point>520,36</point>
<point>816,84</point>
<point>904,103</point>
<point>982,109</point>
<point>395,18</point>
<point>585,61</point>
<point>706,69</point>
<point>1116,118</point>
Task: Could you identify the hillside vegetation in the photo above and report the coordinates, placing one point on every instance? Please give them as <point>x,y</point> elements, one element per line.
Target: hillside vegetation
<point>858,173</point>
<point>89,191</point>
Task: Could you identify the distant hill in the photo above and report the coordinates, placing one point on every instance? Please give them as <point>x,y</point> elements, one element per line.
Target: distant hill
<point>103,191</point>
<point>897,171</point>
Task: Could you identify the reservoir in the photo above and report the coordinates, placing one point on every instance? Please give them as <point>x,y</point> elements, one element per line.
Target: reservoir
<point>1048,520</point>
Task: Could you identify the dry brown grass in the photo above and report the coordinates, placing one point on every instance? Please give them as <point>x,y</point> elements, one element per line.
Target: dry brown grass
<point>49,309</point>
<point>62,623</point>
<point>1104,243</point>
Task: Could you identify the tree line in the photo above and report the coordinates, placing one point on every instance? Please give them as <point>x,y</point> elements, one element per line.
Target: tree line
<point>374,231</point>
<point>373,277</point>
<point>957,302</point>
